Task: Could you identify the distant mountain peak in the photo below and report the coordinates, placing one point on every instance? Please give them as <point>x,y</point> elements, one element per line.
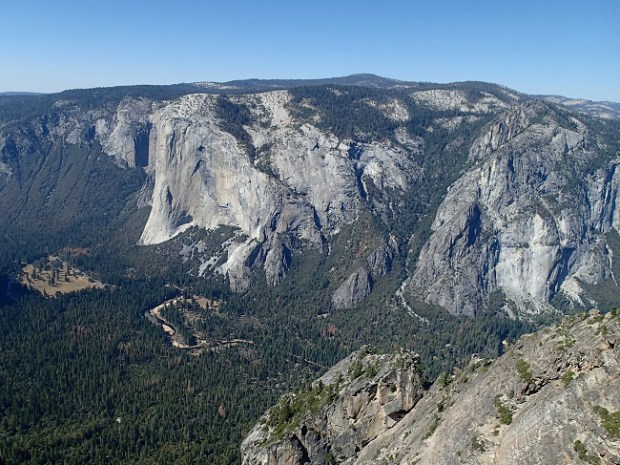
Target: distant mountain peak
<point>602,109</point>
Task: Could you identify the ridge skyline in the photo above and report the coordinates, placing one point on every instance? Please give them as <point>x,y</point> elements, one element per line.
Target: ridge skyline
<point>275,83</point>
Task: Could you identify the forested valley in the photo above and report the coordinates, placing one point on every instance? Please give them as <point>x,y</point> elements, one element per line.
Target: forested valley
<point>88,377</point>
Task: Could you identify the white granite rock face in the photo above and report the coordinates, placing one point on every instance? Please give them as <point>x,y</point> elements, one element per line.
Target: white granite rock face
<point>517,220</point>
<point>303,184</point>
<point>443,99</point>
<point>117,134</point>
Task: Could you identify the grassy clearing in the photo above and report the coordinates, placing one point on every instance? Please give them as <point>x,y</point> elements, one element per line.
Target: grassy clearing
<point>51,275</point>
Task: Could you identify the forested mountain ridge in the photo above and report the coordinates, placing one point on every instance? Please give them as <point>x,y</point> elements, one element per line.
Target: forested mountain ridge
<point>490,175</point>
<point>604,109</point>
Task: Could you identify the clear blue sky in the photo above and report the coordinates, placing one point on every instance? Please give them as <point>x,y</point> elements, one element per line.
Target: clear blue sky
<point>546,46</point>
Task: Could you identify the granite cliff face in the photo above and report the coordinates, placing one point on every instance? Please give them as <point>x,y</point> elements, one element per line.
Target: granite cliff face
<point>552,398</point>
<point>527,218</point>
<point>352,404</point>
<point>300,186</point>
<point>523,193</point>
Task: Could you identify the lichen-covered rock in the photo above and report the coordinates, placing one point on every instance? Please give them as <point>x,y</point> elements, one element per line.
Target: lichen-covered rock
<point>353,403</point>
<point>553,398</point>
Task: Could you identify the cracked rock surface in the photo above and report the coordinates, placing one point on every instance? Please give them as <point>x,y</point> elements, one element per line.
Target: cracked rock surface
<point>350,406</point>
<point>553,398</point>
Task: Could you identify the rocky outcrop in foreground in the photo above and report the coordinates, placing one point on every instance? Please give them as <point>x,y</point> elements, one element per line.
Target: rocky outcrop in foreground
<point>553,398</point>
